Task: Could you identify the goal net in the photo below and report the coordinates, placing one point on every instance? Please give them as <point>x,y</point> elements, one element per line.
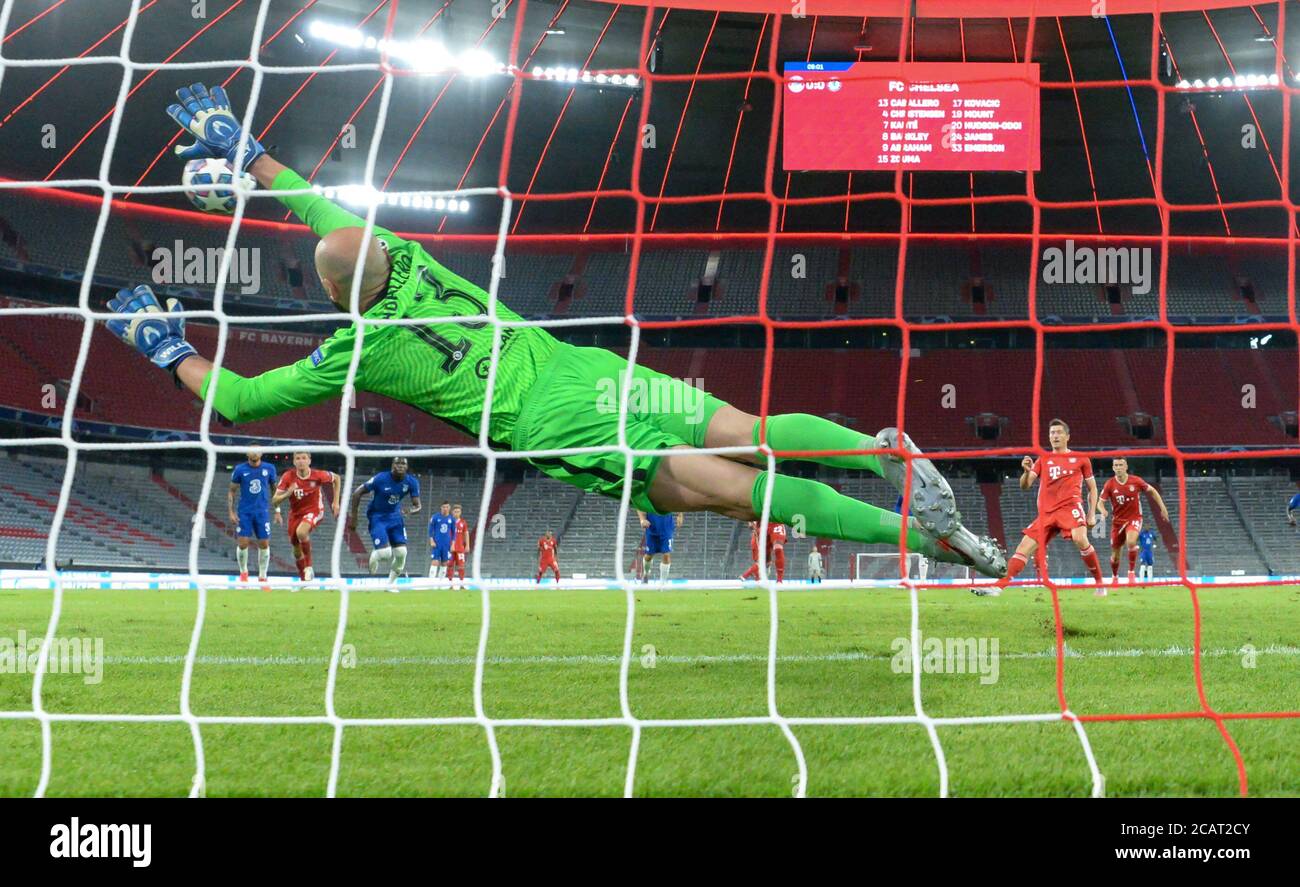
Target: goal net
<point>517,31</point>
<point>882,566</point>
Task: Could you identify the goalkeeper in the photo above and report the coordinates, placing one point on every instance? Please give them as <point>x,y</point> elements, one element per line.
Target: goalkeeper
<point>548,395</point>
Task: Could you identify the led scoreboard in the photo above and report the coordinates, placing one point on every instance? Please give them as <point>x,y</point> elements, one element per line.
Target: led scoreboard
<point>913,115</point>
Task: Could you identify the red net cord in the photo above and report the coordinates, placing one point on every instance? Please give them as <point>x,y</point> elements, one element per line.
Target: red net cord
<point>777,204</point>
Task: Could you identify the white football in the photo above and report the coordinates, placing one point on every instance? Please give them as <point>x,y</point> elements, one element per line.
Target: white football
<point>201,175</point>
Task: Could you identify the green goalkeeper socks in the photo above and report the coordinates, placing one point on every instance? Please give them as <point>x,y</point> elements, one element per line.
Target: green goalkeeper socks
<point>818,510</point>
<point>800,431</point>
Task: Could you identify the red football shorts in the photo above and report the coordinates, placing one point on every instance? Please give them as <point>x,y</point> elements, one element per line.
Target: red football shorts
<point>312,519</point>
<point>1120,529</point>
<point>1062,520</point>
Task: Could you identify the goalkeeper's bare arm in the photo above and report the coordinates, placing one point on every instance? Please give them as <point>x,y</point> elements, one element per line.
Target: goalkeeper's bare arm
<point>549,395</point>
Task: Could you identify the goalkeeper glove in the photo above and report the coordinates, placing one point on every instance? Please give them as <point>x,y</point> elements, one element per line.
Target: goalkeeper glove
<point>216,130</point>
<point>150,331</point>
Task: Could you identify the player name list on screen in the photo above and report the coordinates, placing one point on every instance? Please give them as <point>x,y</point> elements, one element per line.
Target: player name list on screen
<point>915,116</point>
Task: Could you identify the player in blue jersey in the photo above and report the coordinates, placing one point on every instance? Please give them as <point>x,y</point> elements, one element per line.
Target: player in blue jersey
<point>1146,556</point>
<point>659,529</point>
<point>442,529</point>
<point>384,515</point>
<point>1291,508</point>
<point>253,482</point>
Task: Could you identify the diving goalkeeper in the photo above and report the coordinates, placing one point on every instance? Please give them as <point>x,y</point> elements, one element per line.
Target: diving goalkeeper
<point>548,395</point>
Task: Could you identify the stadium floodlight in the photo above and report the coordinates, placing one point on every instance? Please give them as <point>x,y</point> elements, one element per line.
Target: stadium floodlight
<point>580,75</point>
<point>1233,81</point>
<point>365,196</point>
<point>477,63</point>
<point>336,34</point>
<point>423,56</point>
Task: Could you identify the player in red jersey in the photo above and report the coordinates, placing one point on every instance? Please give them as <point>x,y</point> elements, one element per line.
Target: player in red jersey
<point>303,487</point>
<point>776,536</point>
<point>546,556</point>
<point>1124,493</point>
<point>459,546</point>
<point>752,572</point>
<point>1060,508</point>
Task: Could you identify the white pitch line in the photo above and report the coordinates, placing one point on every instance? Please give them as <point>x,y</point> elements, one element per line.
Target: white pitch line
<point>728,659</point>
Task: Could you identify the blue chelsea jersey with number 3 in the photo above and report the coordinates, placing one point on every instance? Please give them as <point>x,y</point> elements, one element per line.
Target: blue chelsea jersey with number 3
<point>440,527</point>
<point>255,487</point>
<point>388,492</point>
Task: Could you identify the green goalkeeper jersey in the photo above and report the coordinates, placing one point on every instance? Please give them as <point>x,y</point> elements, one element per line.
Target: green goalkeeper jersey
<point>439,368</point>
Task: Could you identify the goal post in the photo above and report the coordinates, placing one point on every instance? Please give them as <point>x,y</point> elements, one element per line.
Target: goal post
<point>883,565</point>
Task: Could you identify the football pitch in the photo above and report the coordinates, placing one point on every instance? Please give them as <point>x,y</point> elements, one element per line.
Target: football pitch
<point>696,654</point>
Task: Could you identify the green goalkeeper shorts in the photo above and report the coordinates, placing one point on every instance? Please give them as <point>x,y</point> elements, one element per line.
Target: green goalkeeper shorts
<point>575,403</point>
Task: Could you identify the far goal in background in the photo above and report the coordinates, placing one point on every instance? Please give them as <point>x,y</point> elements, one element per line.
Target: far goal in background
<point>883,565</point>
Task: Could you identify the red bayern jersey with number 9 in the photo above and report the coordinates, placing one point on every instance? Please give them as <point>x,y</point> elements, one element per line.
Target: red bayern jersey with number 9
<point>776,535</point>
<point>306,494</point>
<point>1060,477</point>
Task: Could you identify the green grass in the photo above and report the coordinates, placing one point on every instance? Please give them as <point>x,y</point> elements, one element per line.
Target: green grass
<point>556,655</point>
